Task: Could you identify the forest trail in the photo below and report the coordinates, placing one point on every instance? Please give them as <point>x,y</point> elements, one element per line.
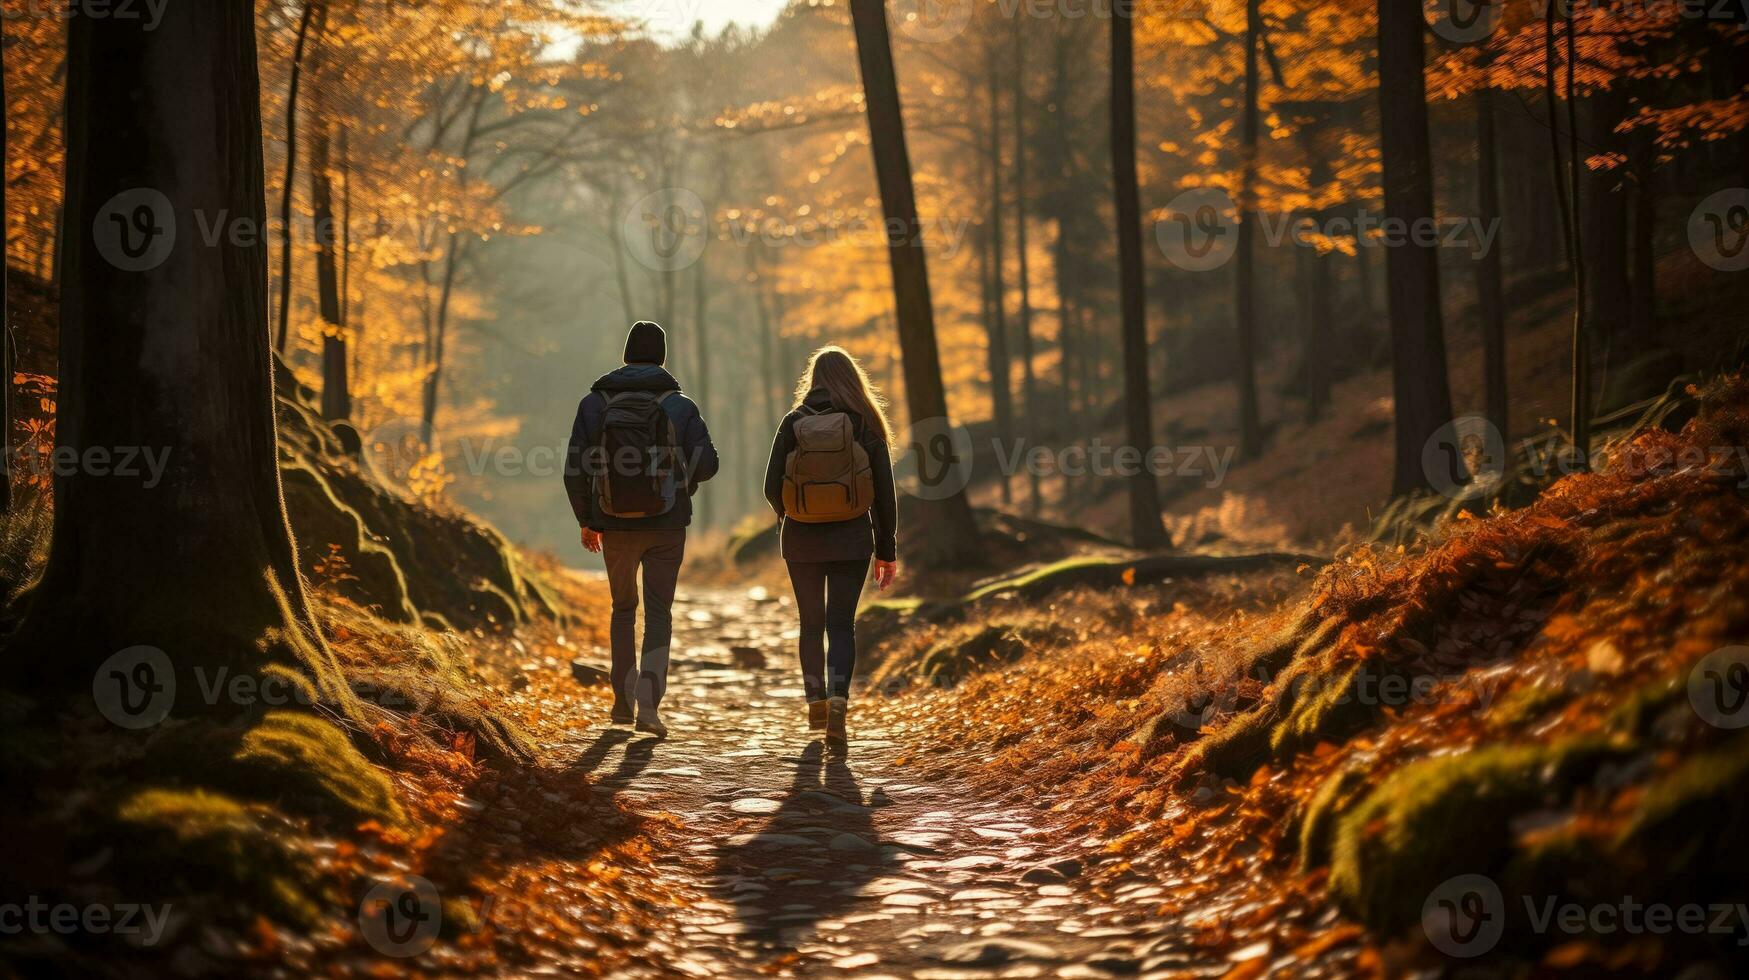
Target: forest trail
<point>807,863</point>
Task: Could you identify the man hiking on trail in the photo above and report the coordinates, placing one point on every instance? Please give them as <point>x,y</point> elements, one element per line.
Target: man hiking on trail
<point>638,452</point>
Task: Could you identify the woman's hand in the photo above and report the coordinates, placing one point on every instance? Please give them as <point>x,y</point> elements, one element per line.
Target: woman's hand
<point>592,541</point>
<point>885,572</point>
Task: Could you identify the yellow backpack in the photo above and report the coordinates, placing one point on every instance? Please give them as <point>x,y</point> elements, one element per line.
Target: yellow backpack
<point>827,477</point>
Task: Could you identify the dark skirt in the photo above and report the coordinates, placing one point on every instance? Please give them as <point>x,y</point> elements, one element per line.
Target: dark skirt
<point>851,540</point>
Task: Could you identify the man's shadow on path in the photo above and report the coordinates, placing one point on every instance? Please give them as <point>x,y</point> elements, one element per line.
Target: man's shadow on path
<point>638,756</point>
<point>838,874</point>
<point>478,845</point>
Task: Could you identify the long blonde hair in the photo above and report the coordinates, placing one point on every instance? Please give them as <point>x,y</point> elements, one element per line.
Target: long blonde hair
<point>835,370</point>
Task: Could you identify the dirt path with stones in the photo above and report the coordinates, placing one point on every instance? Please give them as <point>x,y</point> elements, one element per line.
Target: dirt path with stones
<point>817,865</point>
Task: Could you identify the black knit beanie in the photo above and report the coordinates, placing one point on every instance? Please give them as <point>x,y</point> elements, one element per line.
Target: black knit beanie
<point>646,344</point>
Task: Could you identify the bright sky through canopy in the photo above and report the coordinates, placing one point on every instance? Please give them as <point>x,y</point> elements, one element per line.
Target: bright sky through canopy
<point>674,18</point>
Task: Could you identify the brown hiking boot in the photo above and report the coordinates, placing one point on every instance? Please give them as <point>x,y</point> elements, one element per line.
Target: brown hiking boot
<point>817,715</point>
<point>836,739</point>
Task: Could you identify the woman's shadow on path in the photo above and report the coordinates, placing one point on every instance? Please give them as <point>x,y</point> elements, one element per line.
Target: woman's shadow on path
<point>810,860</point>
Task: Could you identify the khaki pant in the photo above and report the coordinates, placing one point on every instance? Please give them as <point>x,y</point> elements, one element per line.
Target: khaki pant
<point>659,554</point>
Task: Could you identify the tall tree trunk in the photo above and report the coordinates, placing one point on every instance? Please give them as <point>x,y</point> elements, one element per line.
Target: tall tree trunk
<point>1551,97</point>
<point>1642,321</point>
<point>1364,281</point>
<point>1317,268</point>
<point>1245,269</point>
<point>336,391</point>
<point>1068,341</point>
<point>346,232</point>
<point>701,358</point>
<point>1318,366</point>
<point>767,336</point>
<point>1062,273</point>
<point>291,162</point>
<point>1418,379</point>
<point>950,531</point>
<point>1603,225</point>
<point>174,358</point>
<point>434,355</point>
<point>5,298</point>
<point>452,257</point>
<point>1028,372</point>
<point>622,276</point>
<point>1490,291</point>
<point>1068,347</point>
<point>1581,408</point>
<point>1146,530</point>
<point>996,353</point>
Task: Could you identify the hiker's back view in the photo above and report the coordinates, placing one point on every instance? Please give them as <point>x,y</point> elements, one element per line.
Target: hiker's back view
<point>639,450</point>
<point>830,479</point>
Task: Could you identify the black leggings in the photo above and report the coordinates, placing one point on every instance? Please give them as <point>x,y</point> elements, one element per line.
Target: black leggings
<point>827,593</point>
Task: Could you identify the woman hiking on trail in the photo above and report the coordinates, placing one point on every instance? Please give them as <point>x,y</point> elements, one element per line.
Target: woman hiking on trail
<point>830,480</point>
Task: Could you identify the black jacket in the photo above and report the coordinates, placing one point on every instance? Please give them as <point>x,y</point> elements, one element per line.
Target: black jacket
<point>697,454</point>
<point>874,534</point>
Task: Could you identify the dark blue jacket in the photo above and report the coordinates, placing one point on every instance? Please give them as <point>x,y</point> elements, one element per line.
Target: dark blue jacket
<point>697,454</point>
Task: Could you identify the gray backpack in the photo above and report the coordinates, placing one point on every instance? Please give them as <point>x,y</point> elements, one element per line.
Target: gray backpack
<point>639,455</point>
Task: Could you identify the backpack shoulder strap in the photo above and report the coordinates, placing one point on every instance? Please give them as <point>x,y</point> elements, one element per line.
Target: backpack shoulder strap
<point>664,396</point>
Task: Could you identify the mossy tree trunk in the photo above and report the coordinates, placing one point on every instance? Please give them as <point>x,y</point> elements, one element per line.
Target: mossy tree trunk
<point>163,127</point>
